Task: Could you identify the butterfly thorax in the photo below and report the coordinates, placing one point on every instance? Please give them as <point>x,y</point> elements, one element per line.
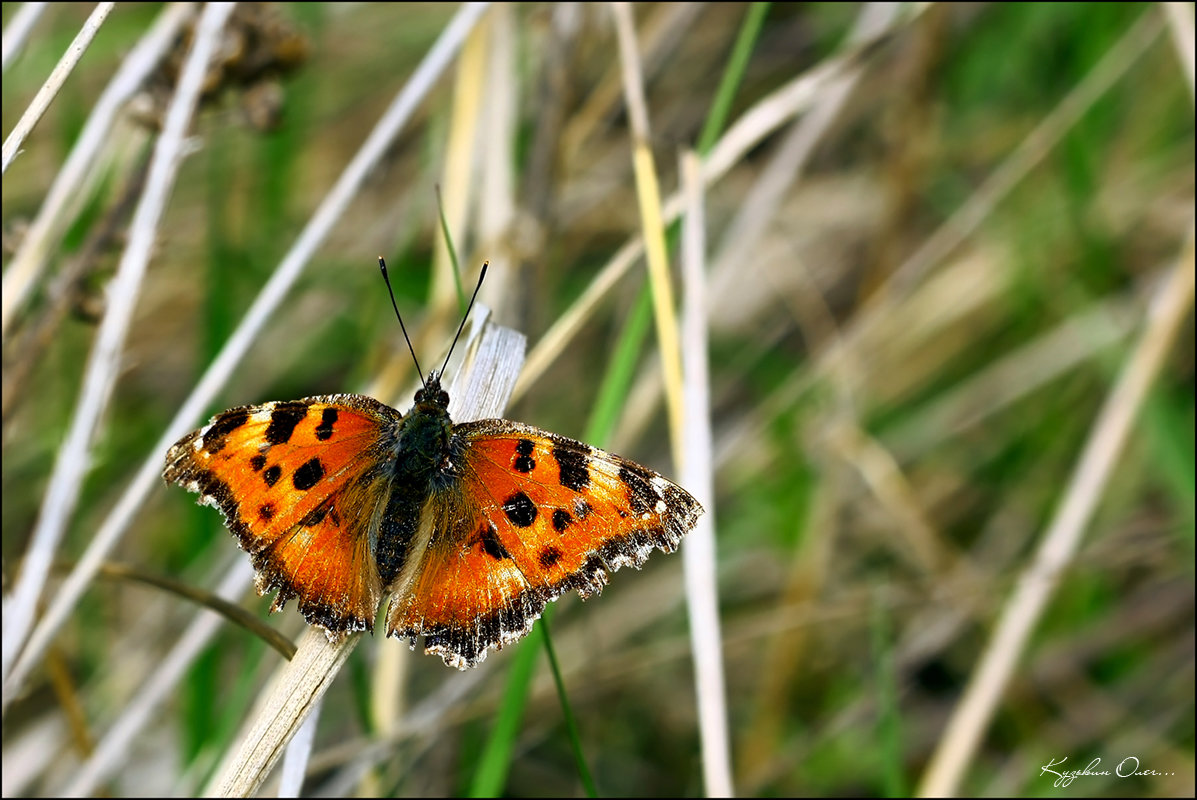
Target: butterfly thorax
<point>421,445</point>
<point>420,466</point>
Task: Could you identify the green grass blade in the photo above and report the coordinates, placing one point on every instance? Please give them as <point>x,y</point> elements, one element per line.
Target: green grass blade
<point>571,727</point>
<point>618,377</point>
<point>732,75</point>
<point>440,211</point>
<point>491,775</point>
<point>889,723</point>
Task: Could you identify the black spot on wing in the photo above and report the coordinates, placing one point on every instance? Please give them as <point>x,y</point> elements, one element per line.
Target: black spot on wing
<point>328,419</point>
<point>308,475</point>
<point>561,520</point>
<point>257,462</point>
<point>219,430</point>
<point>523,459</point>
<point>266,512</point>
<point>314,517</point>
<point>283,419</point>
<point>520,509</point>
<point>549,556</point>
<point>488,537</point>
<point>272,474</point>
<point>575,473</point>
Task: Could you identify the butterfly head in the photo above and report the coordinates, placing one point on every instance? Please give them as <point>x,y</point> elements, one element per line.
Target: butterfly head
<point>431,397</point>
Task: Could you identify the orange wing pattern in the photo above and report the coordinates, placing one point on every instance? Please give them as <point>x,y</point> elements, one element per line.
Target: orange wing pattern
<point>530,516</point>
<point>299,485</point>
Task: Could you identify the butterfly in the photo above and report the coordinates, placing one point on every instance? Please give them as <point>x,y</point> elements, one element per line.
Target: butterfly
<point>469,529</point>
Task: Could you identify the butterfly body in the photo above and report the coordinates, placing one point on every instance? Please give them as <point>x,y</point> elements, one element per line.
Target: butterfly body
<point>469,529</point>
<point>419,465</point>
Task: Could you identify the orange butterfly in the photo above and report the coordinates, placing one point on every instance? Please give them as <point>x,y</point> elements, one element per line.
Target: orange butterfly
<point>470,528</point>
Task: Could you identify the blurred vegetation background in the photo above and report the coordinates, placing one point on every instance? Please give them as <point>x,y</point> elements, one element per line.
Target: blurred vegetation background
<point>918,304</point>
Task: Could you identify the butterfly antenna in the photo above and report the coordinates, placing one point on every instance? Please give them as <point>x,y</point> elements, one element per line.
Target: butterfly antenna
<point>466,316</point>
<point>382,265</point>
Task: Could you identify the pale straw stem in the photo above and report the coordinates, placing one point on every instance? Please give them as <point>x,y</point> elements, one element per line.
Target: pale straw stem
<point>45,95</point>
<point>697,474</point>
<point>290,698</point>
<point>497,208</point>
<point>663,27</point>
<point>18,30</point>
<point>648,191</point>
<point>297,755</point>
<point>461,154</point>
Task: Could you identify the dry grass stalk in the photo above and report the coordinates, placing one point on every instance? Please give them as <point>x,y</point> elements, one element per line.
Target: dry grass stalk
<point>697,471</point>
<point>18,30</point>
<point>648,191</point>
<point>46,95</point>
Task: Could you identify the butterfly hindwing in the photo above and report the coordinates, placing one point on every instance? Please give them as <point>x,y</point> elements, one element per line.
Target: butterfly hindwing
<point>529,516</point>
<point>297,484</point>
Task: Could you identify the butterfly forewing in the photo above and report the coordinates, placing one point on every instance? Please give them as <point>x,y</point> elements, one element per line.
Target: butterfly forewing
<point>298,485</point>
<point>530,516</point>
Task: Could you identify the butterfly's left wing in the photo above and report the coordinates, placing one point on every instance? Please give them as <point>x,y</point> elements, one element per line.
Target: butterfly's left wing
<point>530,516</point>
<point>300,485</point>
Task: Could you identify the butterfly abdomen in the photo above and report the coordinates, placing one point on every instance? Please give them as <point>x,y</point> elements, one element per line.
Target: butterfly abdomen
<point>398,528</point>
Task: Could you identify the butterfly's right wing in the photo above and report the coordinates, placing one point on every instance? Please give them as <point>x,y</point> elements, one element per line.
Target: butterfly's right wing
<point>530,516</point>
<point>299,484</point>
